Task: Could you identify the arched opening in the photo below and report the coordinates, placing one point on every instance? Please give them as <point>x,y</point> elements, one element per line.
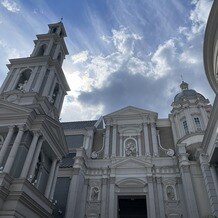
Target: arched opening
<point>22,82</point>
<point>41,50</point>
<point>55,93</point>
<point>54,30</point>
<point>59,58</point>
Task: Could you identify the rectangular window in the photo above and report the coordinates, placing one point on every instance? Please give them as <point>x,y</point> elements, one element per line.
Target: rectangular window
<point>185,126</point>
<point>197,123</point>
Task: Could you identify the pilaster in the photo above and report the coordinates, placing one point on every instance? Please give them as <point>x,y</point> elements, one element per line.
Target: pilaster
<point>111,197</point>
<point>6,143</point>
<point>30,154</point>
<point>151,198</point>
<point>209,183</point>
<point>154,140</point>
<point>146,140</point>
<point>107,142</point>
<point>14,149</point>
<point>114,140</point>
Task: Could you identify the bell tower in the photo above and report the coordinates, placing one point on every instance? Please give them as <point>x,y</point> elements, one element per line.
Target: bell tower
<point>38,81</point>
<point>32,140</point>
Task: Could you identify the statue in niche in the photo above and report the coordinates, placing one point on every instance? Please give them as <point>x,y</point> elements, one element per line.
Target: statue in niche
<point>170,193</point>
<point>95,193</point>
<point>130,148</point>
<point>21,86</point>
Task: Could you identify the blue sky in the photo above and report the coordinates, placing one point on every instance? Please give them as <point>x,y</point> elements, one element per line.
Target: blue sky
<point>122,52</point>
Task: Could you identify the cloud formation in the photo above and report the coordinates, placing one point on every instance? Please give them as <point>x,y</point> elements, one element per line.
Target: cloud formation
<point>125,76</point>
<point>11,5</point>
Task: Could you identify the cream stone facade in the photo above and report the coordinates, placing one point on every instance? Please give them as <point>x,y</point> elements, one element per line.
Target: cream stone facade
<point>129,163</point>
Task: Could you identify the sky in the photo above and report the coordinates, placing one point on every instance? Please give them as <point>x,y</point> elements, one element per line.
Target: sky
<point>121,52</point>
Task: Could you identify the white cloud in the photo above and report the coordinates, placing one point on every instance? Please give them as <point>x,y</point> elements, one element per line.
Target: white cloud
<point>74,111</point>
<point>11,5</point>
<point>80,57</point>
<point>163,59</point>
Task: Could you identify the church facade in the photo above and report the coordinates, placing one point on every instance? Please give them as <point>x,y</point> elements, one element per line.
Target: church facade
<point>129,163</point>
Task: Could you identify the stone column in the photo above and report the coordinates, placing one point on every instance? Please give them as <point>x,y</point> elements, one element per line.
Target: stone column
<point>112,198</point>
<point>209,183</point>
<point>50,178</point>
<point>13,80</point>
<point>84,198</point>
<point>40,79</point>
<point>104,198</point>
<point>204,116</point>
<point>31,79</point>
<point>49,83</point>
<point>54,181</point>
<point>30,154</point>
<point>5,83</point>
<point>73,194</point>
<point>139,145</point>
<point>178,126</point>
<point>151,199</point>
<point>154,139</point>
<point>114,140</point>
<point>6,143</point>
<point>35,157</point>
<point>160,196</point>
<point>121,145</point>
<point>107,142</point>
<point>14,149</point>
<point>146,139</point>
<point>184,165</point>
<point>49,48</point>
<point>175,134</point>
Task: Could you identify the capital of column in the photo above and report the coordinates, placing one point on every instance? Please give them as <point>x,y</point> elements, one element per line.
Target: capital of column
<point>37,133</point>
<point>153,125</point>
<point>185,168</point>
<point>22,127</point>
<point>112,180</point>
<point>159,180</point>
<point>104,181</point>
<point>150,179</point>
<point>11,127</point>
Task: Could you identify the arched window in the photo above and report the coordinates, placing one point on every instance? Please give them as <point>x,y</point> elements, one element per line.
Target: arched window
<point>197,123</point>
<point>22,82</point>
<point>59,58</point>
<point>55,93</point>
<point>130,147</point>
<point>54,30</point>
<point>61,33</point>
<point>41,50</point>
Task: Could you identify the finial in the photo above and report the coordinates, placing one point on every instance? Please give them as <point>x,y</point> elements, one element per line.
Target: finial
<point>61,19</point>
<point>182,77</point>
<point>184,86</point>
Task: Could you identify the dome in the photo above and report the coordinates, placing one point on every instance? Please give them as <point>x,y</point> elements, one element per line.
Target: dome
<point>187,93</point>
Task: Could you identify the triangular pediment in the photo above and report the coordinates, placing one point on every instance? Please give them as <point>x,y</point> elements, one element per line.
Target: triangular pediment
<point>10,109</point>
<point>131,163</point>
<point>130,111</point>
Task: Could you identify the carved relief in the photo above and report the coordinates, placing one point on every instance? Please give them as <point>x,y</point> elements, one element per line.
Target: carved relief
<point>94,196</point>
<point>170,193</point>
<point>130,148</point>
